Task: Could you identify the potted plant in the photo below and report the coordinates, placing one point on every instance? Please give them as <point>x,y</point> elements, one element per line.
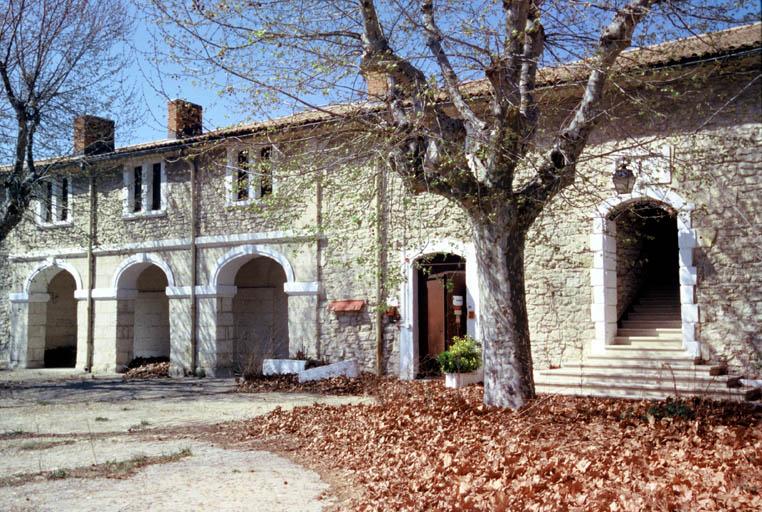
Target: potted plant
<point>462,363</point>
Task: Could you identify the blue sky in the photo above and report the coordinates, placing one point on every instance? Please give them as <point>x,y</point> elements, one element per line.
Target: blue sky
<point>153,87</point>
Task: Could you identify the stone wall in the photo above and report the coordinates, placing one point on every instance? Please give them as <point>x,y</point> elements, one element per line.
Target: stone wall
<point>327,232</point>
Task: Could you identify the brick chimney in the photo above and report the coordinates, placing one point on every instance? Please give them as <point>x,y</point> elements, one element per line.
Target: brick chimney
<point>184,119</point>
<point>378,86</point>
<point>93,135</point>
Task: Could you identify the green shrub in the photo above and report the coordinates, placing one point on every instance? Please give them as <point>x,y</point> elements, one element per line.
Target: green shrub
<point>463,356</point>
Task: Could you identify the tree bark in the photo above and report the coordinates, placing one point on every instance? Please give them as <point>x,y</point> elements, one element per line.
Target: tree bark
<point>504,325</point>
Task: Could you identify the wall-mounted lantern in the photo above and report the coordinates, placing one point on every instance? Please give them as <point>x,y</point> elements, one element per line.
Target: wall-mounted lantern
<point>623,177</point>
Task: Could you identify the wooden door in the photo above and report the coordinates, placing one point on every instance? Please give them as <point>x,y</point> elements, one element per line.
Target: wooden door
<point>435,298</point>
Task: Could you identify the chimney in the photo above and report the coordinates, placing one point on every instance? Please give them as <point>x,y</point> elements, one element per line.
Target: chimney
<point>93,135</point>
<point>377,83</point>
<point>184,119</point>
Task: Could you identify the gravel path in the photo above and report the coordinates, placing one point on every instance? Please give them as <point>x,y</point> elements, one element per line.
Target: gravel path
<point>71,422</point>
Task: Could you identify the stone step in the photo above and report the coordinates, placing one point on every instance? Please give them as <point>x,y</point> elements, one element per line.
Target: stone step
<point>657,332</point>
<point>654,310</point>
<point>678,361</point>
<point>639,351</point>
<point>635,392</point>
<point>652,324</point>
<point>644,310</point>
<point>645,342</point>
<point>635,365</point>
<point>632,374</point>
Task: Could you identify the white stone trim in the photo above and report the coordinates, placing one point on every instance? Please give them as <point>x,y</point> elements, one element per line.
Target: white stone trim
<point>128,189</point>
<point>169,245</point>
<point>409,304</point>
<point>144,260</point>
<point>247,238</point>
<point>255,178</point>
<point>56,205</point>
<point>603,273</point>
<point>106,294</point>
<point>230,262</point>
<point>302,288</point>
<point>178,292</point>
<point>19,296</point>
<point>48,263</point>
<point>207,291</point>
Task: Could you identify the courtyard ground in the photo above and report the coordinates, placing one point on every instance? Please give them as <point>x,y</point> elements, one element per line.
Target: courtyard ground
<point>80,444</point>
<point>422,447</point>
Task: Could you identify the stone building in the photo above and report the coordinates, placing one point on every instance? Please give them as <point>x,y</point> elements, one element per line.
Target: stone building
<point>165,248</point>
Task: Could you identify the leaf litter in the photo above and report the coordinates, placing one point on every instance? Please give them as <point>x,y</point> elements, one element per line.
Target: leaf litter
<point>421,446</point>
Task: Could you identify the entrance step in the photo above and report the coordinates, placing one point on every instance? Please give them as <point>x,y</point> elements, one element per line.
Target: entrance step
<point>658,332</point>
<point>646,340</point>
<point>652,324</point>
<point>618,360</point>
<point>638,391</point>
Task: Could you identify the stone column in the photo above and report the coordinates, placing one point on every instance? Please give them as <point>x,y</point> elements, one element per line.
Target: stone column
<point>105,335</point>
<point>19,331</point>
<point>36,330</point>
<point>216,329</point>
<point>302,325</point>
<point>180,356</point>
<point>302,317</point>
<point>81,334</point>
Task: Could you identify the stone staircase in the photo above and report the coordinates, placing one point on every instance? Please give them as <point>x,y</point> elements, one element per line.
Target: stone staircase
<point>646,360</point>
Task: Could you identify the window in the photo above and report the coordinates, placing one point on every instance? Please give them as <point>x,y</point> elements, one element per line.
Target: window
<point>156,187</point>
<point>145,187</point>
<point>137,193</point>
<point>242,176</point>
<point>265,172</point>
<point>54,203</point>
<point>247,178</point>
<point>64,199</point>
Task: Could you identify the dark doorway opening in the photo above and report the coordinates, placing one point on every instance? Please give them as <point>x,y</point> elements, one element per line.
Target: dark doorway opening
<point>61,323</point>
<point>441,282</point>
<point>647,255</point>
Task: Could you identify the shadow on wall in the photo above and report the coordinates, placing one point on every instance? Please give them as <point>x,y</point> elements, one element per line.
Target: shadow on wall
<point>730,311</point>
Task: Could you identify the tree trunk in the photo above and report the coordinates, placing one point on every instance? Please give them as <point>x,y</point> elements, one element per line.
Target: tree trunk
<point>504,325</point>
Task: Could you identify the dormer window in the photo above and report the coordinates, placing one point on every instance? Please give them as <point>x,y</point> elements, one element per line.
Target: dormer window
<point>53,202</point>
<point>145,189</point>
<point>249,175</point>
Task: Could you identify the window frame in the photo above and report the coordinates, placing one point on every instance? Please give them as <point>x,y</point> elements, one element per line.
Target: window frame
<point>232,170</point>
<point>146,191</point>
<point>57,205</point>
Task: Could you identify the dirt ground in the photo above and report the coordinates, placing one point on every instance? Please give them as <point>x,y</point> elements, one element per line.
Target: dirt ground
<point>51,429</point>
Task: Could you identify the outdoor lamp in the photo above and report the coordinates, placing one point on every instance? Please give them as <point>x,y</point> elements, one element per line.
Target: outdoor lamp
<point>623,177</point>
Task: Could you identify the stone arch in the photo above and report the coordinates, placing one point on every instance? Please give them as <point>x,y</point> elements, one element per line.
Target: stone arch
<point>603,273</point>
<point>126,274</point>
<point>48,269</point>
<point>31,342</point>
<point>252,315</point>
<point>228,265</point>
<point>408,296</point>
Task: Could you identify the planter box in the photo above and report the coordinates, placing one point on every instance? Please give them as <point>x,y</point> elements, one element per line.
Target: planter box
<point>282,366</point>
<point>345,368</point>
<point>461,380</point>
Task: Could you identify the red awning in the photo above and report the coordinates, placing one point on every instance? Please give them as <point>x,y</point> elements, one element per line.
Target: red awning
<point>346,306</point>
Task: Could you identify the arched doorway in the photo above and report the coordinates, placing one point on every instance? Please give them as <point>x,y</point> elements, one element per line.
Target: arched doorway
<point>49,312</point>
<point>151,316</point>
<point>260,315</point>
<point>647,272</point>
<point>440,294</point>
<point>142,310</point>
<point>603,276</point>
<point>61,322</point>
